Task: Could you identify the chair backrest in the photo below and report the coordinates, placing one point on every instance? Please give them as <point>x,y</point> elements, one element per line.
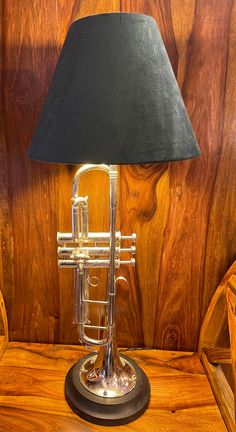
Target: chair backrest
<point>217,346</point>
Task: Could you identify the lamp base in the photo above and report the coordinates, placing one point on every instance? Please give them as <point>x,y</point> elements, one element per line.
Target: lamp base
<point>107,411</point>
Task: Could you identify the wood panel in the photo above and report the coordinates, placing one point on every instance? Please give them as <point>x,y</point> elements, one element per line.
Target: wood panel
<point>182,212</point>
<point>32,391</point>
<point>180,287</point>
<point>221,244</point>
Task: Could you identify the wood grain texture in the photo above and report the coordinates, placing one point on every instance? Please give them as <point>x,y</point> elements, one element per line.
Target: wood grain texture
<point>191,183</point>
<point>6,237</point>
<point>182,213</point>
<point>203,46</point>
<point>219,355</point>
<point>221,241</point>
<point>32,392</point>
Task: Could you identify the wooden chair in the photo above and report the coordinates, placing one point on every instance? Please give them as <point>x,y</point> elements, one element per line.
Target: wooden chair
<point>217,346</point>
<point>4,338</point>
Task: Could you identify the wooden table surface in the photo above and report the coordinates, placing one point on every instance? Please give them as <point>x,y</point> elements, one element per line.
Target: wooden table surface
<point>32,399</point>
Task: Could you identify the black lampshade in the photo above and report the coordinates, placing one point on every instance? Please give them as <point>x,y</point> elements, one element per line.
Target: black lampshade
<point>114,97</point>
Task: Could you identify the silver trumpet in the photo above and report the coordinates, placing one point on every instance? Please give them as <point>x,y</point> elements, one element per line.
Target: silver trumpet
<point>105,374</point>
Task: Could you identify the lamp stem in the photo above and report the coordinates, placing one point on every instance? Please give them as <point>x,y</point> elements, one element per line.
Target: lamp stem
<point>107,375</point>
<point>111,275</point>
<point>104,388</point>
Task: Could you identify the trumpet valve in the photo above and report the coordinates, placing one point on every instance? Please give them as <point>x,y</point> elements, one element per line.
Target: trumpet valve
<point>77,255</point>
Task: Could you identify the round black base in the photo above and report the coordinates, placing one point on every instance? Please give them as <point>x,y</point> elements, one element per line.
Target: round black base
<point>107,411</point>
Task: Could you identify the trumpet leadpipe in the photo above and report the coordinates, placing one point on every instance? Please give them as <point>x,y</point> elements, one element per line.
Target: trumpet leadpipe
<point>93,263</point>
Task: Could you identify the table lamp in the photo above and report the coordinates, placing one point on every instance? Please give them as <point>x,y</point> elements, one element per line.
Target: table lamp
<point>113,100</point>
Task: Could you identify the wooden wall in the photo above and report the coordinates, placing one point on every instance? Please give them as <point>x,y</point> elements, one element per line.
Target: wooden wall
<point>183,213</point>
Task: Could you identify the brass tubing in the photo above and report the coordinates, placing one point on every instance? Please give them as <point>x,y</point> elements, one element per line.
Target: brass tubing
<point>102,302</point>
<point>93,250</point>
<point>93,263</point>
<point>93,237</point>
<point>79,204</point>
<point>80,310</point>
<point>80,235</point>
